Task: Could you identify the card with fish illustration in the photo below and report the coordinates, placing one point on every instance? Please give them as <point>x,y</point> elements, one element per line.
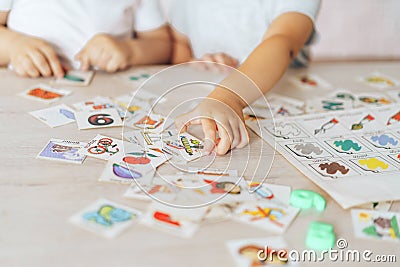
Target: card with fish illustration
<point>266,215</point>
<point>158,189</point>
<point>148,122</point>
<point>55,116</point>
<point>310,81</point>
<point>106,218</point>
<point>177,221</point>
<point>63,150</point>
<point>376,225</point>
<point>98,119</point>
<point>374,164</point>
<point>379,80</point>
<point>307,150</point>
<point>103,147</point>
<point>267,251</point>
<point>333,169</point>
<point>44,93</point>
<point>76,78</point>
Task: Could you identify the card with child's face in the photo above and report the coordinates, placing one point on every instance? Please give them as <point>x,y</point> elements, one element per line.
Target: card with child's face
<point>76,78</point>
<point>44,93</point>
<point>106,218</point>
<point>98,119</point>
<point>63,150</point>
<point>55,116</point>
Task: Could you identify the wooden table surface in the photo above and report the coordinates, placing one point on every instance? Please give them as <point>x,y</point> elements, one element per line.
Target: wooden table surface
<point>38,196</point>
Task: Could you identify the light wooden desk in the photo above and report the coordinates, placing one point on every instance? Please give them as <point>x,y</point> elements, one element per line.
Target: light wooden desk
<point>38,197</point>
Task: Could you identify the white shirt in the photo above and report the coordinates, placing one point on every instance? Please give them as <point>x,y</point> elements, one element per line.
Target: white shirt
<point>68,25</point>
<point>234,27</point>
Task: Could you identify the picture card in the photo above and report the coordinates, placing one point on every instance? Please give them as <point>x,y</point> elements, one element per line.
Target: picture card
<point>44,93</point>
<point>63,150</point>
<point>55,116</point>
<point>98,119</point>
<point>176,221</point>
<point>252,252</point>
<point>148,122</point>
<point>76,78</point>
<point>183,147</point>
<point>120,172</point>
<point>266,215</point>
<point>106,218</point>
<point>158,189</point>
<point>379,80</point>
<point>376,225</point>
<point>103,147</point>
<point>132,163</point>
<point>309,81</point>
<point>276,194</point>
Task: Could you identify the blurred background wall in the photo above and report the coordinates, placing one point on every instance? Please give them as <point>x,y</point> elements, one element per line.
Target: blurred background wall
<point>355,30</point>
<point>358,30</point>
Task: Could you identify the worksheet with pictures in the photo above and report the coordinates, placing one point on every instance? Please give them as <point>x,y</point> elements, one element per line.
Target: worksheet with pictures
<point>341,150</point>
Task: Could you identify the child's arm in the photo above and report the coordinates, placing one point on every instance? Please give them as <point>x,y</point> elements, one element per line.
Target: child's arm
<point>111,54</point>
<point>182,53</point>
<point>265,66</point>
<point>28,55</point>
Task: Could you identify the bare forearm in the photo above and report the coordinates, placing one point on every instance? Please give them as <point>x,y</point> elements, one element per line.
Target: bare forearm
<point>150,51</point>
<point>265,66</point>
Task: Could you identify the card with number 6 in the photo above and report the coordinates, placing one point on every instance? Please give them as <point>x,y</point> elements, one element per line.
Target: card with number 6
<point>98,119</point>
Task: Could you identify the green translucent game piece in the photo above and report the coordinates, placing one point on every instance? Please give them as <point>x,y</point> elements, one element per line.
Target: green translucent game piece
<point>320,236</point>
<point>305,199</point>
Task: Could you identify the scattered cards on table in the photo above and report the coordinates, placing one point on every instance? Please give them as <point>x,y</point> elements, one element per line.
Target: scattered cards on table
<point>106,218</point>
<point>44,93</point>
<point>55,116</point>
<point>63,150</point>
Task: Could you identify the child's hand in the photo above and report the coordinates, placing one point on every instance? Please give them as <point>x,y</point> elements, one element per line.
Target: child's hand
<point>216,115</point>
<point>220,58</point>
<point>33,57</point>
<point>104,52</point>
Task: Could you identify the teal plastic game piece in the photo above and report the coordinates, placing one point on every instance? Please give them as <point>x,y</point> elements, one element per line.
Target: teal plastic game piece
<point>306,199</point>
<point>320,236</point>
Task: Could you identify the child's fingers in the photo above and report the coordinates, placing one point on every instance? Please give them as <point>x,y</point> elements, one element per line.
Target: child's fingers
<point>104,61</point>
<point>224,144</point>
<point>210,133</point>
<point>29,67</point>
<point>84,59</point>
<point>53,61</point>
<point>113,65</point>
<point>244,136</point>
<point>236,134</point>
<point>40,62</point>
